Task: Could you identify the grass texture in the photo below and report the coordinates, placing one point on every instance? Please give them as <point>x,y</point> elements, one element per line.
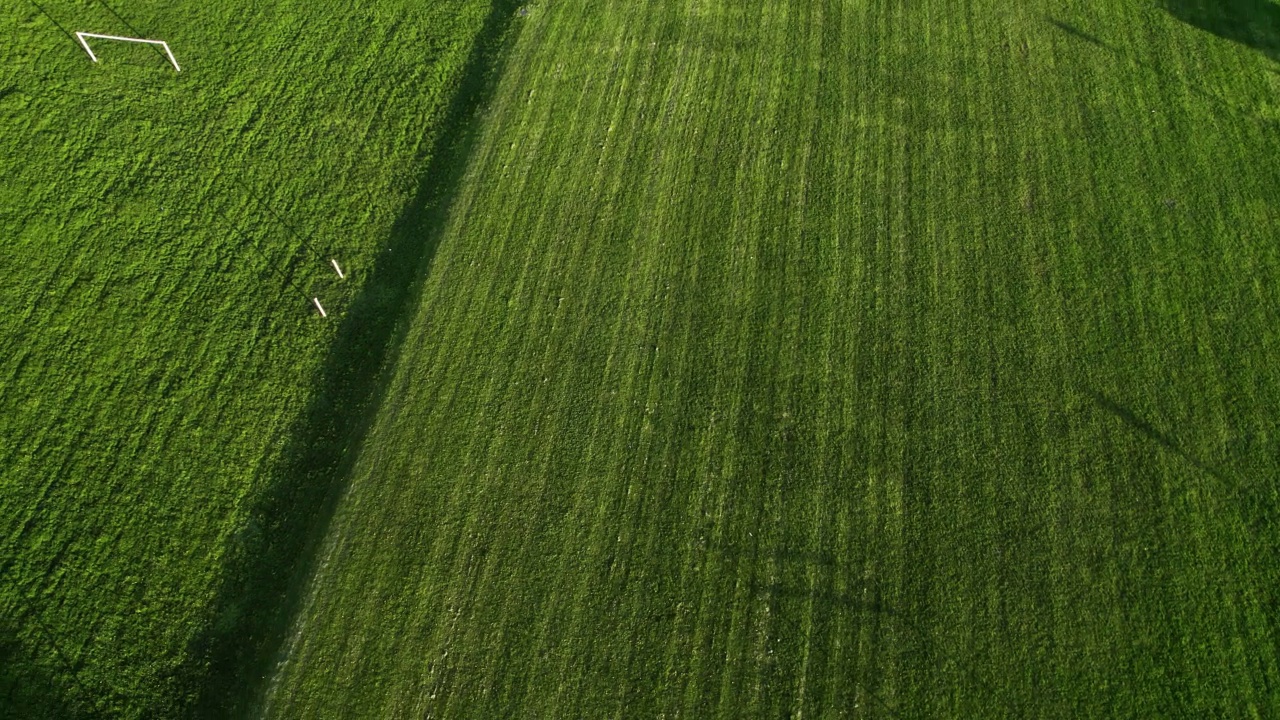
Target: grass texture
<point>833,359</point>
<point>165,385</point>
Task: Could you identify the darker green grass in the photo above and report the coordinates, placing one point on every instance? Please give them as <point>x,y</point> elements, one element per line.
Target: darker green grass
<point>1255,23</point>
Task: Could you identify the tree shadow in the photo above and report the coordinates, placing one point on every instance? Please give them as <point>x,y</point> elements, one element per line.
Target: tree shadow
<point>1193,88</point>
<point>1255,23</point>
<point>272,558</point>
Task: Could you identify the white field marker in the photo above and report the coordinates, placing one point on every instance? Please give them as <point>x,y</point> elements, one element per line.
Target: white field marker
<point>320,307</point>
<point>335,267</point>
<point>161,43</point>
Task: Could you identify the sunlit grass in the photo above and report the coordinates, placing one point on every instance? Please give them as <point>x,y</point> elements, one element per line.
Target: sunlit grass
<point>835,359</point>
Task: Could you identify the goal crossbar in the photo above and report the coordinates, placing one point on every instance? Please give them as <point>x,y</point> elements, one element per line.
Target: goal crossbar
<point>82,35</point>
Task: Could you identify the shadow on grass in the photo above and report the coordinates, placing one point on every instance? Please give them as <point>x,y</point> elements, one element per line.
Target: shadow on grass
<point>36,678</point>
<point>1212,98</point>
<point>844,602</point>
<point>304,240</point>
<point>1146,429</point>
<point>271,560</point>
<point>55,22</point>
<point>1078,33</point>
<point>1255,23</point>
<point>136,32</point>
<point>867,600</point>
<point>1254,498</point>
<point>28,690</point>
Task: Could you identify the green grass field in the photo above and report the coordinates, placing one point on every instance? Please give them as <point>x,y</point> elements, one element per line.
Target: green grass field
<point>813,358</point>
<point>165,387</point>
<point>831,359</point>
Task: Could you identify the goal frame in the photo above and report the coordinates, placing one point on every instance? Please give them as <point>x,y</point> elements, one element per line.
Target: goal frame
<point>82,35</point>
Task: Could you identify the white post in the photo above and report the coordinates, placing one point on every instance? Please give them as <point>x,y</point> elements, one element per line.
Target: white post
<point>80,37</point>
<point>338,269</point>
<point>320,307</point>
<point>172,59</point>
<point>161,43</point>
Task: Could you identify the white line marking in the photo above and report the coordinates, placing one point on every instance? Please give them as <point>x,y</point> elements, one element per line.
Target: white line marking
<point>335,267</point>
<point>320,307</point>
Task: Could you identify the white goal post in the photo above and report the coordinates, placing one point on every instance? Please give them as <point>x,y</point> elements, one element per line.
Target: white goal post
<point>161,43</point>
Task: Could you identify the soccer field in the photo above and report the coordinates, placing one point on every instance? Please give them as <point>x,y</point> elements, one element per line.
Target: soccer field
<point>696,358</point>
<point>832,359</point>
